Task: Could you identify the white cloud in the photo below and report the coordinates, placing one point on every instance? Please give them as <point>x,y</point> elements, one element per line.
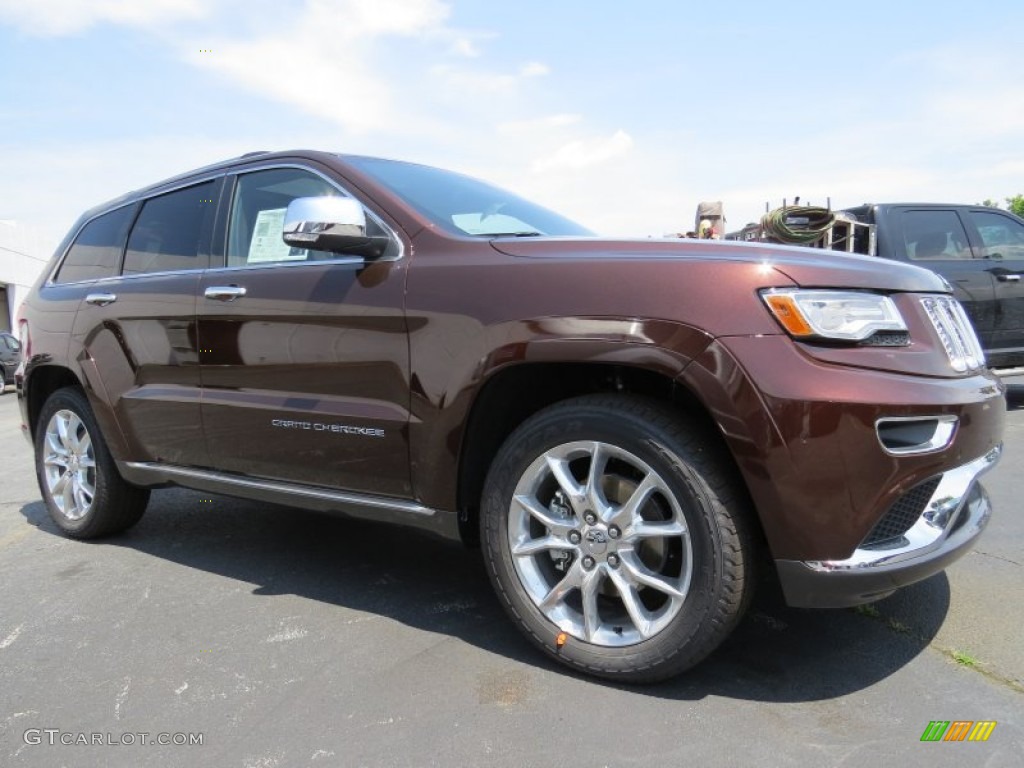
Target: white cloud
<point>463,46</point>
<point>470,81</point>
<point>50,186</point>
<point>46,18</point>
<point>976,93</point>
<point>534,69</point>
<point>583,153</point>
<point>353,20</point>
<point>539,124</point>
<point>321,62</point>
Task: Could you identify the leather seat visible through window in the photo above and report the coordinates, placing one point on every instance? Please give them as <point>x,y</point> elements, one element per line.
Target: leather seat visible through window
<point>931,245</point>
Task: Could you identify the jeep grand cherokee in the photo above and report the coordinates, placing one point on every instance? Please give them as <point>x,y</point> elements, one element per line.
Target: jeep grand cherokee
<point>626,427</point>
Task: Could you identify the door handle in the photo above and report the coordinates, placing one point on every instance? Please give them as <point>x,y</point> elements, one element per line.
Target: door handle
<point>224,292</point>
<point>1009,278</point>
<point>101,299</point>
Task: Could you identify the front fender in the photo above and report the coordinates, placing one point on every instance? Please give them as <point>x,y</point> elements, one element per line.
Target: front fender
<point>448,378</point>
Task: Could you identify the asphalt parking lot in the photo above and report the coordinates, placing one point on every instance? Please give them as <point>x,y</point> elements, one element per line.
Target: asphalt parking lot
<point>285,638</point>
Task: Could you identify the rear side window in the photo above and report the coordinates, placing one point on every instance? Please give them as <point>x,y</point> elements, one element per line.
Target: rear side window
<point>170,231</point>
<point>96,251</point>
<point>935,235</point>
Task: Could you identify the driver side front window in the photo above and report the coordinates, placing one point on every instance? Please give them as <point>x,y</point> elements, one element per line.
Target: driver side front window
<point>257,216</point>
<point>1001,236</point>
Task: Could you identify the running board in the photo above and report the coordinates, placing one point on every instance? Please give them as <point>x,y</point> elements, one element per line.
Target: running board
<point>1005,372</point>
<point>358,505</point>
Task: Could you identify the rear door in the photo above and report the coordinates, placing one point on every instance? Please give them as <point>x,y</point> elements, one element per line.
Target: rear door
<point>998,241</point>
<point>936,238</point>
<point>136,330</point>
<point>304,354</point>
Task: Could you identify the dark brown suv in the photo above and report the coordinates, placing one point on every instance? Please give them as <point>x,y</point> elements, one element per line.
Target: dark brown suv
<point>629,428</point>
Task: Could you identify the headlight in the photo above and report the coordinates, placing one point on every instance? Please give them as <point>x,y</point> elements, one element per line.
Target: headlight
<point>841,315</point>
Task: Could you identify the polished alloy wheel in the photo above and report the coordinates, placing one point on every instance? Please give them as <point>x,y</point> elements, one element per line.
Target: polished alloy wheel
<point>600,543</point>
<point>69,464</point>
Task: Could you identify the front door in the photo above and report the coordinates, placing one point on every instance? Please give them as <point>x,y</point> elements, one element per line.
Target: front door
<point>304,354</point>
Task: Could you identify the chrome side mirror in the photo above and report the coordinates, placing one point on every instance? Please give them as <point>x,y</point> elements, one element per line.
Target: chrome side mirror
<point>330,224</point>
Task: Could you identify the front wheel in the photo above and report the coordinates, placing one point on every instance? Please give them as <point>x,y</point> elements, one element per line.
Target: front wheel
<point>84,493</point>
<point>615,534</point>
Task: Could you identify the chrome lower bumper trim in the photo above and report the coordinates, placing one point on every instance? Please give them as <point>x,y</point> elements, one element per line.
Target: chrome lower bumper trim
<point>934,530</point>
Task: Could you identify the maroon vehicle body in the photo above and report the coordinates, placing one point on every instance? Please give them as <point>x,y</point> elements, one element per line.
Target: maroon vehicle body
<point>384,388</point>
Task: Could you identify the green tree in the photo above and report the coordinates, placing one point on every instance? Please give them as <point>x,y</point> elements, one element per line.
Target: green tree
<point>1015,204</point>
<point>989,203</point>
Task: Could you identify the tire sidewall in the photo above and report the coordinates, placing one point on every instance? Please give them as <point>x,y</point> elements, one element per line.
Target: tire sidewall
<point>74,401</point>
<point>676,467</point>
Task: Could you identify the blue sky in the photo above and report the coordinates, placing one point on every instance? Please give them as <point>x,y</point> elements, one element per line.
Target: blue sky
<point>621,115</point>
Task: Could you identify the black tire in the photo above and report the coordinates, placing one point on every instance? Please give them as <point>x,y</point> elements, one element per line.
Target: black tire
<point>647,438</point>
<point>113,505</point>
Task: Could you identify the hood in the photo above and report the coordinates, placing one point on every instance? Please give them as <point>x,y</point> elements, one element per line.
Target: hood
<point>807,267</point>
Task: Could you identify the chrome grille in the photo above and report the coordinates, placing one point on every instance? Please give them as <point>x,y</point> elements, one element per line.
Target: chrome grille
<point>955,332</point>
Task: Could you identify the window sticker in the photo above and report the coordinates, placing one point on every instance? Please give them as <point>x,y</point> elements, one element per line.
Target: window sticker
<point>267,244</point>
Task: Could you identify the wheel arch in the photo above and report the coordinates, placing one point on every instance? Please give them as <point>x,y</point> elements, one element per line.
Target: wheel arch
<point>42,382</point>
<point>515,393</point>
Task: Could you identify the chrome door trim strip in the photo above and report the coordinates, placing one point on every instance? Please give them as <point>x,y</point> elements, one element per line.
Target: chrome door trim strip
<point>207,480</point>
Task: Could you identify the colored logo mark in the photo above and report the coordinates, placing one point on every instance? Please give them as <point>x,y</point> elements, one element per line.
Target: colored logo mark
<point>958,730</point>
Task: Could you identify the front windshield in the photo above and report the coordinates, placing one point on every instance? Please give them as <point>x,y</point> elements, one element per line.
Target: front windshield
<point>463,205</point>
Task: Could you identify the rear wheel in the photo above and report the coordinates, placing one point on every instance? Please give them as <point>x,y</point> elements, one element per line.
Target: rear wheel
<point>84,493</point>
<point>616,537</point>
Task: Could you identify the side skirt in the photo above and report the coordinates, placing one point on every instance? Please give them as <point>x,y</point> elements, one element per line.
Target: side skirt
<point>346,503</point>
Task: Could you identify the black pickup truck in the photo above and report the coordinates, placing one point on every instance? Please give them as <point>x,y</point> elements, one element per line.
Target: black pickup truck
<point>979,250</point>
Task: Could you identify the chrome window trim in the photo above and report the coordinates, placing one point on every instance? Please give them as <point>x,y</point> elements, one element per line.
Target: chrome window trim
<point>219,174</point>
<point>348,261</point>
<point>135,201</point>
<point>64,254</point>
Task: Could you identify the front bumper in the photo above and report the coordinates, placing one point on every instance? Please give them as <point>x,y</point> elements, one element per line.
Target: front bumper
<point>953,518</point>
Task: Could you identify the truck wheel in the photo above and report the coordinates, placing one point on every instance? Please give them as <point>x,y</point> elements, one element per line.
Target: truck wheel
<point>616,536</point>
<point>84,493</point>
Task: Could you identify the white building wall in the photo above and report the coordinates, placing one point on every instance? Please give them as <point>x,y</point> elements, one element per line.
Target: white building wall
<point>25,250</point>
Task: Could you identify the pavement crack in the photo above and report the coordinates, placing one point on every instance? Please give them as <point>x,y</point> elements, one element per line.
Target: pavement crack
<point>981,668</point>
<point>999,557</point>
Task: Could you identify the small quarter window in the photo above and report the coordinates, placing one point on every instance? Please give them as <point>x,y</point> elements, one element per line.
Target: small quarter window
<point>170,232</point>
<point>96,251</point>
